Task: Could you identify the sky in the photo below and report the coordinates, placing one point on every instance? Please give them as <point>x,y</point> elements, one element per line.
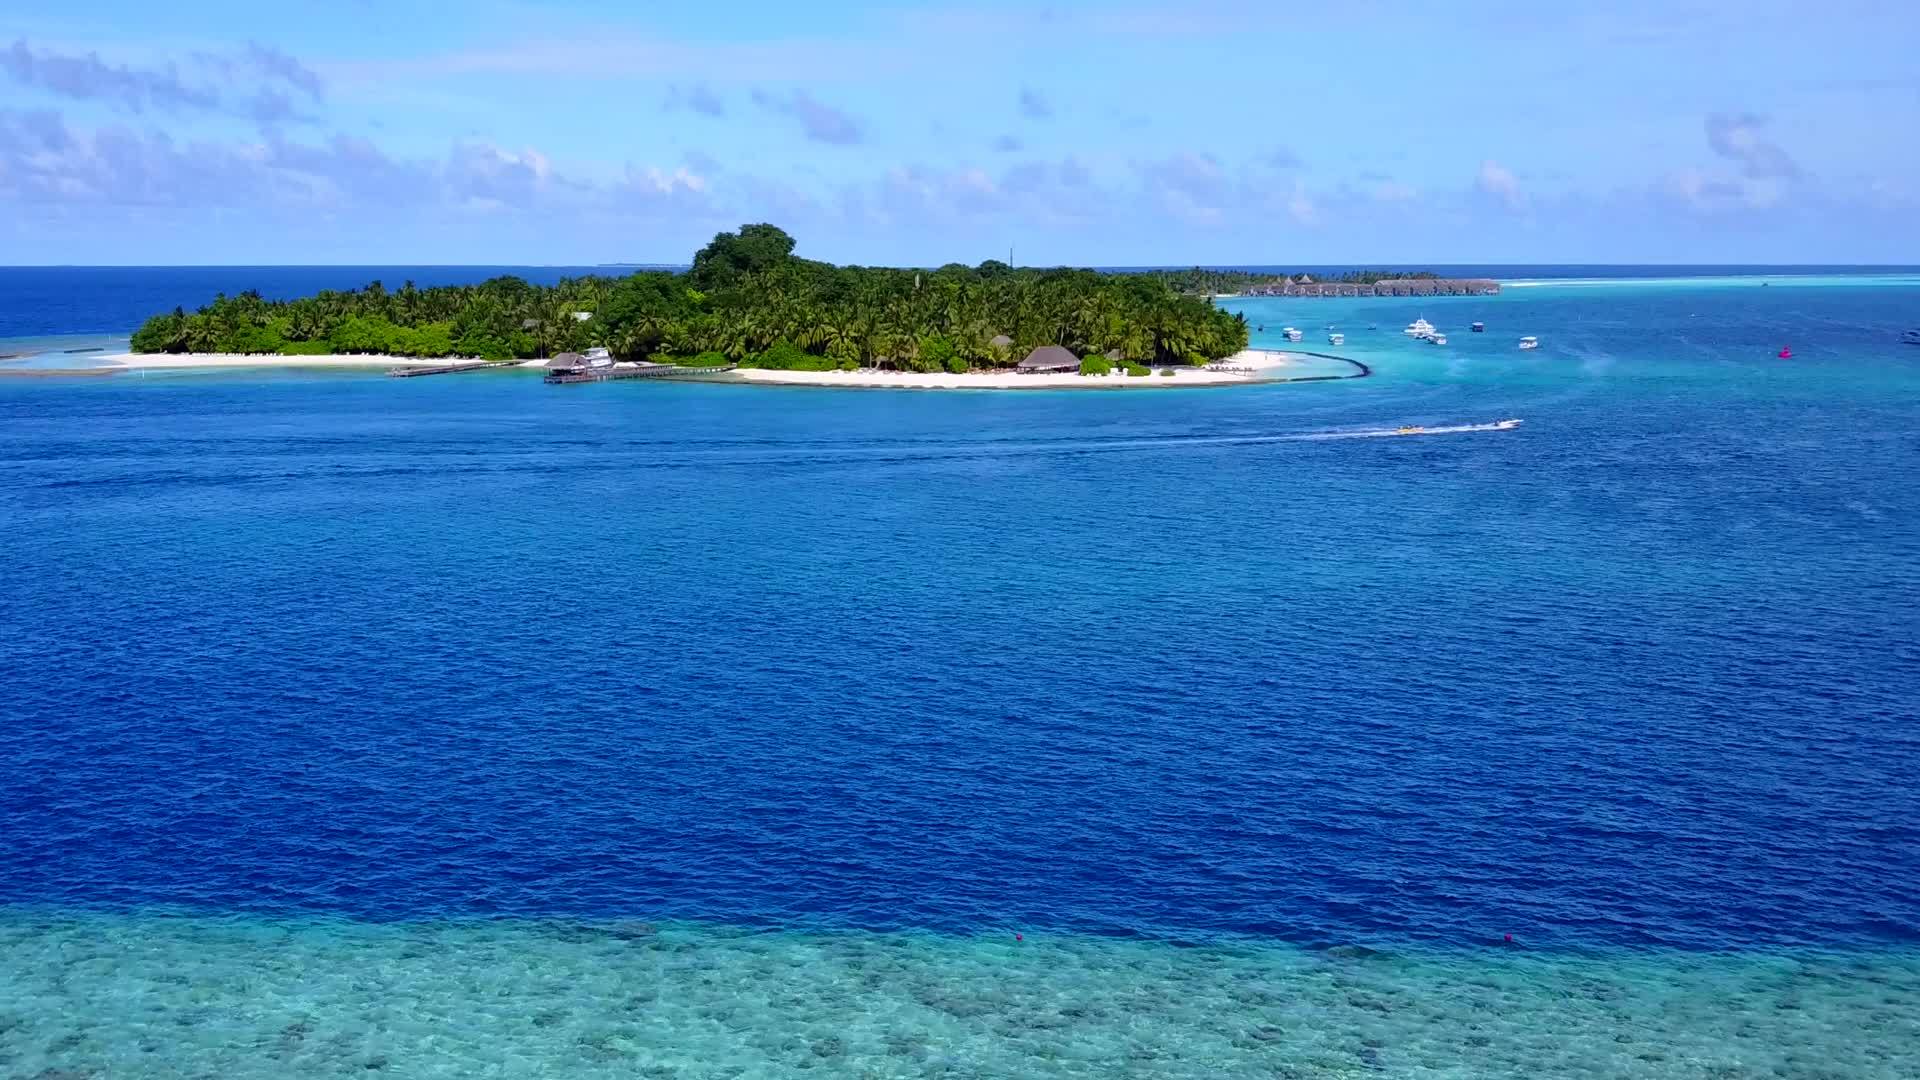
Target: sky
<point>1117,133</point>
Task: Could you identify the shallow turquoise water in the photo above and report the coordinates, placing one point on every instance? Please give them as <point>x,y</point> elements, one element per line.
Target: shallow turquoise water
<point>196,996</point>
<point>409,695</point>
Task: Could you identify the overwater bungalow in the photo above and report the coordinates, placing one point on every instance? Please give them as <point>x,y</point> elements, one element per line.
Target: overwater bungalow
<point>1306,286</point>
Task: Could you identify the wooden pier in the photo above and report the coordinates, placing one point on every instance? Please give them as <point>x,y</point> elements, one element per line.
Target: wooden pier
<point>563,376</point>
<point>450,369</point>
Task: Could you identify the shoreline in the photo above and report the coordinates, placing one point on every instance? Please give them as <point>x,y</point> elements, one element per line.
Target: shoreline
<point>1257,366</point>
<point>164,361</point>
<point>1247,367</point>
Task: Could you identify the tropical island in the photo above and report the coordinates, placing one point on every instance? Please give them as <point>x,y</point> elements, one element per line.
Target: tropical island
<point>746,301</point>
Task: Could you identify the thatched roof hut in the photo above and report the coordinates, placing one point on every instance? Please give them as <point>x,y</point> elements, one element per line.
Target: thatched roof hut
<point>1050,358</point>
<point>567,361</point>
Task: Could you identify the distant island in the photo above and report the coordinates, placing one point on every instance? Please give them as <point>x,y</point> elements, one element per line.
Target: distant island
<point>745,300</point>
<point>1200,281</point>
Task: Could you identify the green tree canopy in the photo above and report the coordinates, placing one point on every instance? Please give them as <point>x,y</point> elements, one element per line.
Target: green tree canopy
<point>745,295</point>
<point>755,249</point>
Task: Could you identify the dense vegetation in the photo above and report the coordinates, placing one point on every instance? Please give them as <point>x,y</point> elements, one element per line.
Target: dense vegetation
<point>746,299</point>
<point>1201,281</point>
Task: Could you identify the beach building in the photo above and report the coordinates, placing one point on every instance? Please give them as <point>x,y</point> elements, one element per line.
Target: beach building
<point>1050,358</point>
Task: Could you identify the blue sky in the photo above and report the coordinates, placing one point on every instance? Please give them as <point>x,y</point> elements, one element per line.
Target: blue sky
<point>1109,133</point>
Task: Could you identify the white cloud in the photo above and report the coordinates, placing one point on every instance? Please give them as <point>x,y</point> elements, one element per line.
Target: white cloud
<point>1736,136</point>
<point>1497,182</point>
<point>821,122</point>
<point>1301,207</point>
<point>1393,191</point>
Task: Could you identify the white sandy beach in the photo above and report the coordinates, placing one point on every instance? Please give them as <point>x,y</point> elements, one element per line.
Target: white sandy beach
<point>1255,365</point>
<point>264,360</point>
<point>1259,365</point>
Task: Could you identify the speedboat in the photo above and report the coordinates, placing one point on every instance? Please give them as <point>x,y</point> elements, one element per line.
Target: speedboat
<point>1529,342</point>
<point>1478,328</point>
<point>1912,337</point>
<point>1409,430</point>
<point>1336,339</point>
<point>1419,328</point>
<point>1436,338</point>
<point>1292,334</point>
<point>1506,425</point>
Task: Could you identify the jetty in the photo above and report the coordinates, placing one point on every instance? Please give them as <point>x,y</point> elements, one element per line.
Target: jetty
<point>450,369</point>
<point>1306,286</point>
<point>561,376</point>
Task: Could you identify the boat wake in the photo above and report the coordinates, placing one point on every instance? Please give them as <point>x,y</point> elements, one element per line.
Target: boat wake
<point>1384,433</point>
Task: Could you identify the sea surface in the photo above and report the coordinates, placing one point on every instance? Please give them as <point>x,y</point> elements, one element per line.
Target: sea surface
<point>466,726</point>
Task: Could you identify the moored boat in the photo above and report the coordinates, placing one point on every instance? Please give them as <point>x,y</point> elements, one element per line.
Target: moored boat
<point>1529,342</point>
<point>1418,328</point>
<point>1436,338</point>
<point>1336,339</point>
<point>1292,333</point>
<point>1478,328</point>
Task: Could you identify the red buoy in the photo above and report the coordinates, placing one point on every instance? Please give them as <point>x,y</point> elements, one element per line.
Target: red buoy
<point>1017,937</point>
<point>1786,354</point>
<point>1509,939</point>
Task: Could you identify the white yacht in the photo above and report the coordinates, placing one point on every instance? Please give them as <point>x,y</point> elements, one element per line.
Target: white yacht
<point>1436,338</point>
<point>1336,339</point>
<point>1529,342</point>
<point>1292,334</point>
<point>1419,328</point>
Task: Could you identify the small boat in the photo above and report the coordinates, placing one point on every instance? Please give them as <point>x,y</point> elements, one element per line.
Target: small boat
<point>1912,337</point>
<point>1292,334</point>
<point>1479,328</point>
<point>1336,339</point>
<point>1436,338</point>
<point>1506,425</point>
<point>1418,328</point>
<point>1529,342</point>
<point>1409,430</point>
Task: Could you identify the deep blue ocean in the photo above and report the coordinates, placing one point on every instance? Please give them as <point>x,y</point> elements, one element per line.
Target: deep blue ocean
<point>734,730</point>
